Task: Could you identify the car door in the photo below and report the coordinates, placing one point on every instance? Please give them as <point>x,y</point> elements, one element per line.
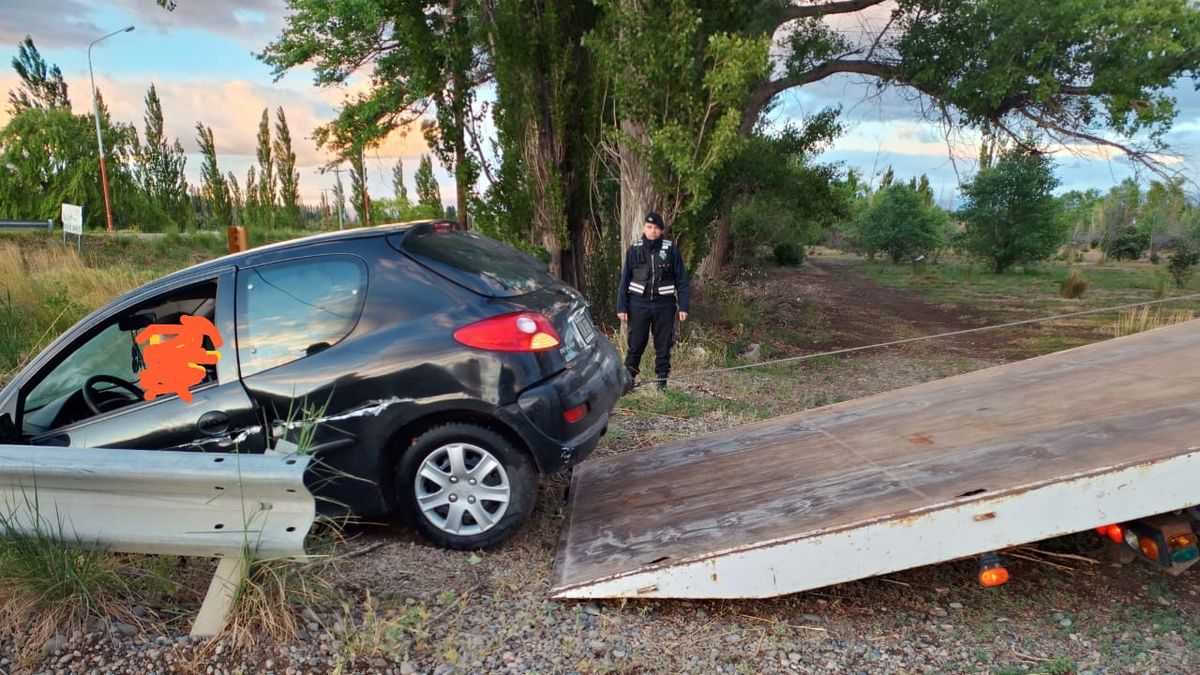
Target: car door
<point>220,417</point>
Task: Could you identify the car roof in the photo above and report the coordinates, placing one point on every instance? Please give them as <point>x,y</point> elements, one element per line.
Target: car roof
<point>281,248</point>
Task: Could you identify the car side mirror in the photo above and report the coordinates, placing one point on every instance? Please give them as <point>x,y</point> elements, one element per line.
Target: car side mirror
<point>8,430</point>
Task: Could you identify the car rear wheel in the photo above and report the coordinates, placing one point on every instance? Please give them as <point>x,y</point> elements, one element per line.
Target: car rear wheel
<point>464,486</point>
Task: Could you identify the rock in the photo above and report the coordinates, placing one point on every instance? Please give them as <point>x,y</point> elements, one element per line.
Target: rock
<point>339,627</point>
<point>956,605</point>
<point>733,638</point>
<point>752,352</point>
<point>1065,623</point>
<point>938,612</point>
<point>794,657</point>
<point>54,644</point>
<point>128,630</point>
<point>596,645</point>
<point>618,654</point>
<point>591,609</point>
<point>310,616</point>
<point>810,618</point>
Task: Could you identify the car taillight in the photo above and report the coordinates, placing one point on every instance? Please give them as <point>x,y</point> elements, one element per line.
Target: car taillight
<point>575,414</point>
<point>517,332</point>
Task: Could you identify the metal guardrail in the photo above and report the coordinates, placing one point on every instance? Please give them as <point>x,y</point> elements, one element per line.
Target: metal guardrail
<point>48,225</point>
<point>231,506</point>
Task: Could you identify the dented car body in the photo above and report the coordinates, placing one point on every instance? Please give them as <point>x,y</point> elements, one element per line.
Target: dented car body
<point>426,369</point>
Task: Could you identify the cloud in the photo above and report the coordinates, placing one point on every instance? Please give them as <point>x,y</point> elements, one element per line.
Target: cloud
<point>247,21</point>
<point>52,23</point>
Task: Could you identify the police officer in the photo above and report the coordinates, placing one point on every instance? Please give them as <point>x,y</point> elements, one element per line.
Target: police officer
<point>653,288</point>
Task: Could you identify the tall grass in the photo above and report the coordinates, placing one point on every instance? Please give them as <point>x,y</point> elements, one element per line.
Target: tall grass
<point>1138,319</point>
<point>48,585</point>
<point>46,289</point>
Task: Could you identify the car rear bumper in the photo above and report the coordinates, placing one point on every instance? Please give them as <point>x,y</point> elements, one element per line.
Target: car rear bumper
<point>596,380</point>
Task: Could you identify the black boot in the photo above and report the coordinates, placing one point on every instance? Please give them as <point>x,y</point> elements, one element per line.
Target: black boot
<point>662,382</point>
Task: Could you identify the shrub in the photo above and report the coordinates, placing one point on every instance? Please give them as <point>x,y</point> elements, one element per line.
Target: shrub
<point>788,254</point>
<point>1073,285</point>
<point>1182,261</point>
<point>1129,244</point>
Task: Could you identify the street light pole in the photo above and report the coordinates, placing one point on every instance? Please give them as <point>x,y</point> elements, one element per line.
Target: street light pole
<point>99,136</point>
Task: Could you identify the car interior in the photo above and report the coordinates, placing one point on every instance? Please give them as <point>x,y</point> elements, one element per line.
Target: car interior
<point>100,374</point>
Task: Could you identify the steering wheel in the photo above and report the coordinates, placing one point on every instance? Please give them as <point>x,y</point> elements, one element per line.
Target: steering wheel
<point>92,396</point>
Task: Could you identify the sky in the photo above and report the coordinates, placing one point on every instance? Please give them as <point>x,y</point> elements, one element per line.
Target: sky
<point>201,59</point>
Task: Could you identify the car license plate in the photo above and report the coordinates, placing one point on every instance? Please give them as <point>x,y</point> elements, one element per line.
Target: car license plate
<point>582,324</point>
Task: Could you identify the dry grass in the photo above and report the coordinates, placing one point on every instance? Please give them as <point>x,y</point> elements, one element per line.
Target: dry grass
<point>43,291</point>
<point>1073,285</point>
<point>1145,318</point>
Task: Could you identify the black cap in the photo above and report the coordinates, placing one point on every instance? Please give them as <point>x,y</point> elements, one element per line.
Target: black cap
<point>653,217</point>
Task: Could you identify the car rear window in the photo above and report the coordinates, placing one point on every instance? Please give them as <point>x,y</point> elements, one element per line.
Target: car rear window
<point>476,262</point>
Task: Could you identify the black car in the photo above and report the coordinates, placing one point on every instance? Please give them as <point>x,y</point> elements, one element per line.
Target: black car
<point>427,369</point>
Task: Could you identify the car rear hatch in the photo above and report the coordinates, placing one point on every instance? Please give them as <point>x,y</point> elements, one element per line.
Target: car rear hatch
<point>515,280</point>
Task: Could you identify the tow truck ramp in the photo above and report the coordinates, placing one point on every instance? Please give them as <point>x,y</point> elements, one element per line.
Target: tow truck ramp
<point>1017,453</point>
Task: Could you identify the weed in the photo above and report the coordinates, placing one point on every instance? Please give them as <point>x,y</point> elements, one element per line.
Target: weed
<point>1138,319</point>
<point>48,583</point>
<point>1073,286</point>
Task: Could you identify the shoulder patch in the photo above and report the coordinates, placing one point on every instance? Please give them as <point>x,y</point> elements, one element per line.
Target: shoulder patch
<point>666,243</point>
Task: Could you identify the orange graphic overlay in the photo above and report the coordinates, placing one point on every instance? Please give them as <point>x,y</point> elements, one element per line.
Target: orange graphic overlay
<point>175,356</point>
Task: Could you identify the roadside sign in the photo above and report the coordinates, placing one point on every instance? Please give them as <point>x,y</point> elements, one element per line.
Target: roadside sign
<point>72,218</point>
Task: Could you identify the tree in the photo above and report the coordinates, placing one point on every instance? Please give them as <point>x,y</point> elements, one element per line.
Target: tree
<point>680,72</point>
<point>42,86</point>
<point>429,196</point>
<point>1011,216</point>
<point>48,157</point>
<point>289,177</point>
<point>358,187</point>
<point>160,166</point>
<point>901,225</point>
<point>425,59</point>
<point>400,191</point>
<point>214,189</point>
<point>265,189</point>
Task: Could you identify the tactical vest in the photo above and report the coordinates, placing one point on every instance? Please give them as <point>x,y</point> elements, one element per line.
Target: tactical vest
<point>653,273</point>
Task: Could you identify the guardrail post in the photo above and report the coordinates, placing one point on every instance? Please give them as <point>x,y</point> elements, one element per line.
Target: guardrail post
<point>222,591</point>
<point>50,225</point>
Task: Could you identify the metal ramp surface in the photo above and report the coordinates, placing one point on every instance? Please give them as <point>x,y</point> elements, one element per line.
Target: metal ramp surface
<point>1012,454</point>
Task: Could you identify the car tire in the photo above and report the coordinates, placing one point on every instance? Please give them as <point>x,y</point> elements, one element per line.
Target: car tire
<point>463,486</point>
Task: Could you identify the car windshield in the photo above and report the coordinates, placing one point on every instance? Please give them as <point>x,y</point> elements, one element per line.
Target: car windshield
<point>108,353</point>
<point>481,264</point>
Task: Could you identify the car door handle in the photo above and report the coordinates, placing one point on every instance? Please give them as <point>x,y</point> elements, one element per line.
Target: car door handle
<point>213,423</point>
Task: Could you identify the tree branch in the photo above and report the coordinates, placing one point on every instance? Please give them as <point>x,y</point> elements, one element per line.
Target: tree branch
<point>1143,158</point>
<point>791,12</point>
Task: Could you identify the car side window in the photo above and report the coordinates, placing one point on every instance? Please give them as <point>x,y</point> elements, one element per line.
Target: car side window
<point>289,310</point>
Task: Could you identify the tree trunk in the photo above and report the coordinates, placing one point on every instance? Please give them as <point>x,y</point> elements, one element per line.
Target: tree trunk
<point>638,194</point>
<point>710,268</point>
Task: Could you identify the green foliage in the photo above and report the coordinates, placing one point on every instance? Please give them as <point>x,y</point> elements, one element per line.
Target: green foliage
<point>680,74</point>
<point>1011,217</point>
<point>428,193</point>
<point>1129,244</point>
<point>265,188</point>
<point>1093,63</point>
<point>42,85</point>
<point>1181,263</point>
<point>288,215</point>
<point>359,199</point>
<point>423,66</point>
<point>899,224</point>
<point>781,201</point>
<point>159,170</point>
<point>214,189</point>
<point>48,582</point>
